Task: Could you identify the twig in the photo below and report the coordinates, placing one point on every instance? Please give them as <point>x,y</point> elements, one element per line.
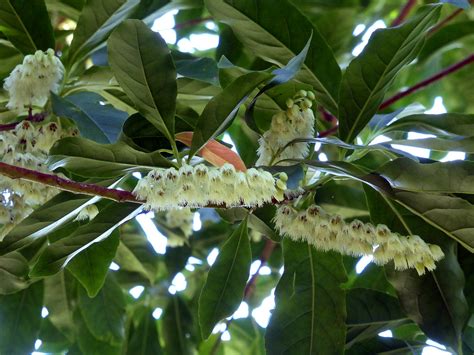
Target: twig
<point>328,132</point>
<point>451,69</point>
<point>192,22</point>
<point>37,117</point>
<point>404,12</point>
<point>16,172</point>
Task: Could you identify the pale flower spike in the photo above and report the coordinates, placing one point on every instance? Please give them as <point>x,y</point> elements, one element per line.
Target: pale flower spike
<point>330,232</point>
<point>181,218</point>
<point>296,122</point>
<point>30,83</point>
<point>26,146</point>
<point>198,186</point>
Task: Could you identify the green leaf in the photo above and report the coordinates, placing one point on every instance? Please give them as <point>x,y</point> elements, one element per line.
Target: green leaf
<point>448,124</point>
<point>101,123</point>
<point>177,321</point>
<point>97,20</point>
<point>142,64</point>
<point>203,69</point>
<point>11,57</point>
<point>223,108</point>
<point>89,159</point>
<point>458,144</point>
<point>104,314</point>
<point>310,312</point>
<point>27,25</point>
<point>20,315</point>
<point>434,301</point>
<point>247,337</point>
<point>91,266</point>
<point>276,32</point>
<point>446,177</point>
<point>366,307</point>
<point>369,76</point>
<point>452,215</point>
<point>88,343</point>
<point>386,346</point>
<point>13,273</point>
<point>57,299</point>
<point>224,288</point>
<point>44,220</point>
<point>445,36</point>
<point>136,254</point>
<point>59,253</point>
<point>143,338</point>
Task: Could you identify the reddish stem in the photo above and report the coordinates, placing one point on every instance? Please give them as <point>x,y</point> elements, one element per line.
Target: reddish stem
<point>404,12</point>
<point>192,22</point>
<point>16,172</point>
<point>451,69</point>
<point>328,132</point>
<point>264,256</point>
<point>37,117</point>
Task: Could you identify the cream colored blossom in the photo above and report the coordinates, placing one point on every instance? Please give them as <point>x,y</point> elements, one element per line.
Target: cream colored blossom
<point>30,83</point>
<point>296,122</point>
<point>198,186</point>
<point>181,218</point>
<point>26,146</point>
<point>330,232</point>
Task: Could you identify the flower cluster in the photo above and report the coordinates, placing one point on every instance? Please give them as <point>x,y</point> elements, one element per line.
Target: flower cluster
<point>331,232</point>
<point>181,218</point>
<point>198,186</point>
<point>26,146</point>
<point>29,83</point>
<point>296,122</point>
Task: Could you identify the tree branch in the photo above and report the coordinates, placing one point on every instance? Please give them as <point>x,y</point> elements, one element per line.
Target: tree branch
<point>192,22</point>
<point>404,12</point>
<point>15,172</point>
<point>451,69</point>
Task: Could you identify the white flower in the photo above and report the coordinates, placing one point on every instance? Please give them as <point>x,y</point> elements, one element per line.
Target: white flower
<point>29,83</point>
<point>181,218</point>
<point>296,122</point>
<point>331,232</point>
<point>27,146</point>
<point>165,189</point>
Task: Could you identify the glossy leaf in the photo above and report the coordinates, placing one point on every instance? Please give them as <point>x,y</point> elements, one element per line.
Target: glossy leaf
<point>20,21</point>
<point>177,320</point>
<point>90,267</point>
<point>222,108</point>
<point>456,144</point>
<point>101,123</point>
<point>97,20</point>
<point>58,300</point>
<point>448,124</point>
<point>58,254</point>
<point>136,254</point>
<point>369,76</point>
<point>434,301</point>
<point>104,314</point>
<point>142,64</point>
<point>20,313</point>
<point>452,215</point>
<point>365,307</point>
<point>463,4</point>
<point>44,220</point>
<point>445,36</point>
<point>276,32</point>
<point>143,338</point>
<point>445,177</point>
<point>224,288</point>
<point>13,273</point>
<point>214,152</point>
<point>310,308</point>
<point>90,159</point>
